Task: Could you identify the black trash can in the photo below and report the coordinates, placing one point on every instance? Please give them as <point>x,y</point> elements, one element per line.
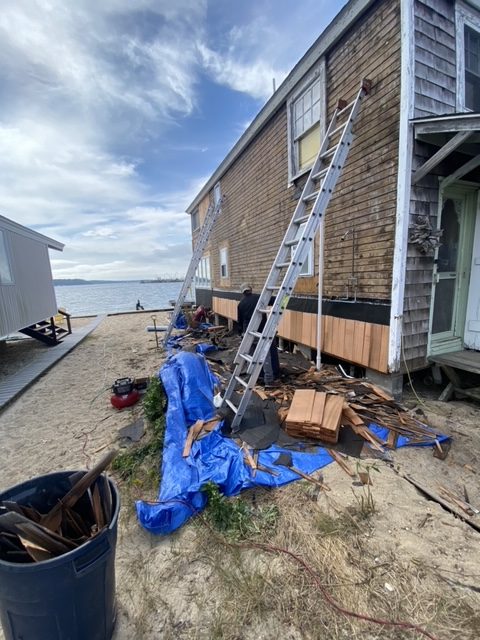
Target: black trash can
<point>71,597</point>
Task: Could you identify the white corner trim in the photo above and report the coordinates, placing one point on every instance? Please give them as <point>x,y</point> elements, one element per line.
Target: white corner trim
<point>405,150</point>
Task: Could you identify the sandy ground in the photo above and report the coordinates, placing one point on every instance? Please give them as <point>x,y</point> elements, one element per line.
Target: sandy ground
<point>165,587</point>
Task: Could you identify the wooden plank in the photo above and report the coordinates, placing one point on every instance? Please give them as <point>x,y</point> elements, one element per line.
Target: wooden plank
<point>375,346</point>
<point>352,416</point>
<point>332,413</point>
<point>341,462</point>
<point>358,340</point>
<point>318,408</point>
<point>349,336</point>
<point>441,154</point>
<point>193,432</point>
<point>301,407</point>
<point>366,345</point>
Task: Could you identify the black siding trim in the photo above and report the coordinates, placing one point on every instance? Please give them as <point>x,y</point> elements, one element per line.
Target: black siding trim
<point>374,312</point>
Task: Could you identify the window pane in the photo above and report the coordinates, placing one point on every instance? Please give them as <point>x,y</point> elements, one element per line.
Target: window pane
<point>307,100</point>
<point>224,262</point>
<point>298,108</point>
<point>448,250</point>
<point>472,92</point>
<point>316,91</point>
<point>472,69</point>
<point>443,306</point>
<point>308,147</point>
<point>472,50</point>
<point>307,120</point>
<point>298,129</point>
<point>316,112</point>
<point>5,272</point>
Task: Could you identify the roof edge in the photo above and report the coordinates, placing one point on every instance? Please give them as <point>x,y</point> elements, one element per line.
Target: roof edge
<point>15,227</point>
<point>334,30</point>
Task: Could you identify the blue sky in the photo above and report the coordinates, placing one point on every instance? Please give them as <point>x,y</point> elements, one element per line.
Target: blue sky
<point>113,113</point>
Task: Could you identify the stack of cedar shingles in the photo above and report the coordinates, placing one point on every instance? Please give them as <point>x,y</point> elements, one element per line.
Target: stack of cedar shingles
<point>315,414</point>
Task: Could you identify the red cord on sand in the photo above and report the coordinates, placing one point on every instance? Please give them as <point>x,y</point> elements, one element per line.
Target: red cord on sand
<point>352,614</point>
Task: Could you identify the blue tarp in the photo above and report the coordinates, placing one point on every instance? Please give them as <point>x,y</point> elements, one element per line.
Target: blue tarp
<point>189,385</point>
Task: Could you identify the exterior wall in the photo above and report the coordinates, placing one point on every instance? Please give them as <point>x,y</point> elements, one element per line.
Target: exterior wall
<point>435,94</point>
<point>435,62</point>
<point>365,196</point>
<point>360,221</point>
<point>31,297</point>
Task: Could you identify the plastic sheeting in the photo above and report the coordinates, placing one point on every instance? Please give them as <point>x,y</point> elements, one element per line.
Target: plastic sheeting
<point>189,385</point>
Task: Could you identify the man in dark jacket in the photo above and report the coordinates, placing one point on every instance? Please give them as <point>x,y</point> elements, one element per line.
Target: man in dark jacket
<point>245,309</point>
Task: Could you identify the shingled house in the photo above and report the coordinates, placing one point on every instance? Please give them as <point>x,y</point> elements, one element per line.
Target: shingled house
<point>396,291</point>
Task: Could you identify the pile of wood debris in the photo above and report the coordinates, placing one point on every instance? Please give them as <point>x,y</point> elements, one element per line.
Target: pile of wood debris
<point>27,535</point>
<point>358,403</point>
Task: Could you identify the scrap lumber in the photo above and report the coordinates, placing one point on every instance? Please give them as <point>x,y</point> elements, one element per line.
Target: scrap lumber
<point>341,462</point>
<point>53,519</point>
<point>192,434</point>
<point>436,498</point>
<point>260,393</point>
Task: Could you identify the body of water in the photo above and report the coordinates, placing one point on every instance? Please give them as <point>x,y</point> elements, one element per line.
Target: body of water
<point>90,299</point>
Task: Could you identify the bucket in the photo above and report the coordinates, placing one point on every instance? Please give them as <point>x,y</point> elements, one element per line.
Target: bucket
<point>70,597</point>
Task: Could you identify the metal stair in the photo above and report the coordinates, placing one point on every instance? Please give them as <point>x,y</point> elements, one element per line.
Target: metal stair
<point>291,256</point>
<point>212,214</point>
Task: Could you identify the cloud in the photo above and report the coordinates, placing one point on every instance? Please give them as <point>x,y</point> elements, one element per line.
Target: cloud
<point>112,56</point>
<point>91,96</point>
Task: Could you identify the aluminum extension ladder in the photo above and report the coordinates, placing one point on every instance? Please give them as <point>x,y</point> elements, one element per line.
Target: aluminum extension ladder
<point>212,214</point>
<point>256,343</point>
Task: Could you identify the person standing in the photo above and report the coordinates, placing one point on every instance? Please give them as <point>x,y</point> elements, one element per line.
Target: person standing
<point>245,309</point>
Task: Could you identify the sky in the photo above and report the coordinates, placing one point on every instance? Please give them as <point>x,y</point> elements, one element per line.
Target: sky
<point>114,113</point>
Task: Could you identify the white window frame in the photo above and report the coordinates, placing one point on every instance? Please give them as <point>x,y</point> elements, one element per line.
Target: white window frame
<point>195,217</point>
<point>307,268</point>
<point>318,73</point>
<point>5,260</point>
<point>217,193</point>
<point>224,263</point>
<point>464,16</point>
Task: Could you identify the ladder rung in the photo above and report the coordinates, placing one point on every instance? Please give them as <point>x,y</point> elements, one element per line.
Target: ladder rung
<point>231,405</point>
<point>290,243</point>
<point>255,334</point>
<point>302,219</point>
<point>320,174</point>
<point>312,196</point>
<point>241,381</point>
<point>264,310</point>
<point>335,131</point>
<point>272,287</point>
<point>349,106</point>
<point>329,152</point>
<point>246,357</point>
<point>282,265</point>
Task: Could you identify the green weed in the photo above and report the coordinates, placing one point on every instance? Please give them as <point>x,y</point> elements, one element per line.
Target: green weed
<point>140,465</point>
<point>235,517</point>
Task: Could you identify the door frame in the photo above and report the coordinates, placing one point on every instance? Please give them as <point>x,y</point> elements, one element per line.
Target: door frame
<point>453,341</point>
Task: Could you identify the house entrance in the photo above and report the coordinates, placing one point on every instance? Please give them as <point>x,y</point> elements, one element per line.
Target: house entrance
<point>451,276</point>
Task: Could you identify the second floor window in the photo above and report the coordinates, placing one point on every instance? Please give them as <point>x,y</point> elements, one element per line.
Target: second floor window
<point>472,69</point>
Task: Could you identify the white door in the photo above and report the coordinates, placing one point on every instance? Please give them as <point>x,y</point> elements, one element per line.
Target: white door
<point>472,324</point>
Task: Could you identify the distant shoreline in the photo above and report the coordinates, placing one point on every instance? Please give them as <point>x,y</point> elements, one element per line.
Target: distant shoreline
<point>76,281</point>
